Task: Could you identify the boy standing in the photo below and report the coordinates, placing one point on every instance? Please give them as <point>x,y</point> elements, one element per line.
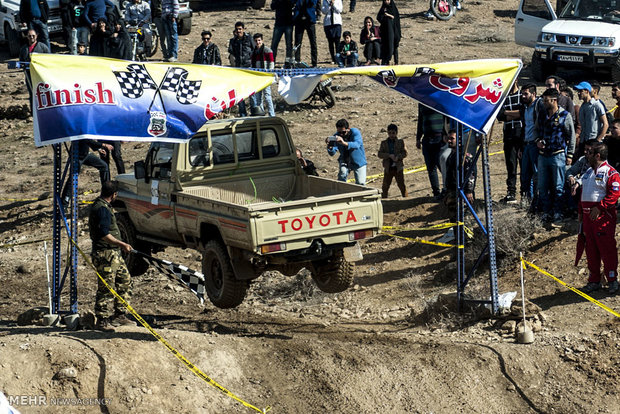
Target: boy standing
<point>392,151</point>
<point>262,58</point>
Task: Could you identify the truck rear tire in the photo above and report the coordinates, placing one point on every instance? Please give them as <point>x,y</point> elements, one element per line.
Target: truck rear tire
<point>185,26</point>
<point>135,264</point>
<point>333,275</point>
<point>225,291</point>
<point>258,4</point>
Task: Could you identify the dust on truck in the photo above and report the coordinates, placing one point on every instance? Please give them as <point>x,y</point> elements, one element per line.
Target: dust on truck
<point>236,193</point>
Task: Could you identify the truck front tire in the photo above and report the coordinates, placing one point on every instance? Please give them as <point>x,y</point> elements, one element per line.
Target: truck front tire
<point>539,68</point>
<point>333,275</point>
<point>135,264</point>
<point>225,291</point>
<point>185,26</point>
<point>615,71</point>
<point>12,37</point>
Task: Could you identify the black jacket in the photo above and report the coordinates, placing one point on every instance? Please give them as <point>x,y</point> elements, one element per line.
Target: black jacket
<point>207,55</point>
<point>25,11</point>
<point>284,12</point>
<point>242,49</point>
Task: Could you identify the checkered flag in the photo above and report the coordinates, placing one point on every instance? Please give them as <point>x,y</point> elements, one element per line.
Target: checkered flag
<point>176,81</point>
<point>189,278</point>
<point>134,81</point>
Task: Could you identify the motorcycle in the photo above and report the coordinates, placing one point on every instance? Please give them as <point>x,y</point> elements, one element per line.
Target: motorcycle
<point>323,90</point>
<point>138,34</point>
<point>444,9</point>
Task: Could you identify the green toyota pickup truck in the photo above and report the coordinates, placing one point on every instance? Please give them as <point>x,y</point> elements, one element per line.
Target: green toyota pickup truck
<point>236,193</point>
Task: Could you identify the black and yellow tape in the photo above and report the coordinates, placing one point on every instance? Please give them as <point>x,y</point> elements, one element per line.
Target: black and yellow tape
<point>195,370</point>
<point>577,291</point>
<point>423,241</point>
<point>469,232</point>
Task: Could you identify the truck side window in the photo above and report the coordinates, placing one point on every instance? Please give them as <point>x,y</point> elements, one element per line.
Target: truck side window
<point>537,8</point>
<point>246,146</point>
<point>161,153</point>
<point>198,154</point>
<point>269,139</point>
<point>223,149</point>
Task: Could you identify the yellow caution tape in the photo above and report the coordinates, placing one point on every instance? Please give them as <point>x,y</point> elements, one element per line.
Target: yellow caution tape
<point>2,246</point>
<point>176,353</point>
<point>577,291</point>
<point>442,226</point>
<point>423,241</point>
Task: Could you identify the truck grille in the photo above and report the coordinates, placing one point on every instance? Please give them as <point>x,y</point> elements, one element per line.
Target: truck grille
<point>574,40</point>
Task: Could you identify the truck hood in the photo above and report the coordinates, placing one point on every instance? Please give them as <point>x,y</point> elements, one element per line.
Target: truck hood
<point>588,28</point>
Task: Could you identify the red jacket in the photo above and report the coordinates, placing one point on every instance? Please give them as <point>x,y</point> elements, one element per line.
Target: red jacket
<point>600,188</point>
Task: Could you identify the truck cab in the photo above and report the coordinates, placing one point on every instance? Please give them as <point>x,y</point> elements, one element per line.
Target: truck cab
<point>582,34</point>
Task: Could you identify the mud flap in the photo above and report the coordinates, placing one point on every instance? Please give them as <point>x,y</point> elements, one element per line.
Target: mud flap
<point>243,270</point>
<point>353,253</point>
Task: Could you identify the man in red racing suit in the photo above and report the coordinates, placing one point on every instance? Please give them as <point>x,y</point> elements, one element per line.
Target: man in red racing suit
<point>597,212</point>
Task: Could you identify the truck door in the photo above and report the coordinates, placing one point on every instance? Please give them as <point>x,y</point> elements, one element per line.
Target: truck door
<point>157,212</point>
<point>532,15</point>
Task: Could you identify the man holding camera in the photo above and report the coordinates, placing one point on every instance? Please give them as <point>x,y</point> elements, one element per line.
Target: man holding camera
<point>348,141</point>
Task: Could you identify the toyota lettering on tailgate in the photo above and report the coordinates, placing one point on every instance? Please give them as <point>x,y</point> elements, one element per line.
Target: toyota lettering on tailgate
<point>323,220</point>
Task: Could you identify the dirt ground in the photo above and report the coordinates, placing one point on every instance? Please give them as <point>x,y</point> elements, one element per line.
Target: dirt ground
<point>392,343</point>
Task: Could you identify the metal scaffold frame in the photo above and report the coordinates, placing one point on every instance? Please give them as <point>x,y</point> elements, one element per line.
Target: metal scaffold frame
<point>59,220</point>
<point>462,175</point>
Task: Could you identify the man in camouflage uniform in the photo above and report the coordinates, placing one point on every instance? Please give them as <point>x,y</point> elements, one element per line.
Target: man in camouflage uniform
<point>106,256</point>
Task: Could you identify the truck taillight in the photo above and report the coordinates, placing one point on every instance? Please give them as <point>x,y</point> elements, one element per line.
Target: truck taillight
<point>274,247</point>
<point>358,235</point>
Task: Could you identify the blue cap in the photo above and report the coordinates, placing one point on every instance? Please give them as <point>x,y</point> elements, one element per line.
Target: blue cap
<point>584,85</point>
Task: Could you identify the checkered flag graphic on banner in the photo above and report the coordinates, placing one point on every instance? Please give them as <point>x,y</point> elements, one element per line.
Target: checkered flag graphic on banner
<point>176,81</point>
<point>186,277</point>
<point>134,81</point>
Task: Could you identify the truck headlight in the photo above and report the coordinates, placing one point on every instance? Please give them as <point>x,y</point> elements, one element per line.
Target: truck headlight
<point>603,41</point>
<point>548,37</point>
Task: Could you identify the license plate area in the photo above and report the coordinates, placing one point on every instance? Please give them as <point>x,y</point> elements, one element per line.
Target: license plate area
<point>570,58</point>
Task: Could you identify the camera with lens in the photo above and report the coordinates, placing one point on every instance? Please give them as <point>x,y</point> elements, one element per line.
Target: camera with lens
<point>331,141</point>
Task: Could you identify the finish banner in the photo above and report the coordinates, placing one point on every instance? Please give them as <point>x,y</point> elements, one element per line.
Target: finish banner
<point>76,97</point>
<point>470,92</point>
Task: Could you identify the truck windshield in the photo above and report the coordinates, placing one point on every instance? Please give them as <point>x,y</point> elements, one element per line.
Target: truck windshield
<point>604,10</point>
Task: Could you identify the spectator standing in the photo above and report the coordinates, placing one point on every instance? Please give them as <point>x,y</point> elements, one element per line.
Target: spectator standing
<point>597,213</point>
<point>94,11</point>
<point>240,49</point>
<point>283,26</point>
<point>119,44</point>
<point>347,52</point>
<point>511,117</point>
<point>430,138</point>
<point>348,141</point>
<point>34,14</point>
<point>113,150</point>
<point>304,19</point>
<point>332,24</point>
<point>107,259</point>
<point>592,118</point>
<point>393,151</point>
<point>352,4</point>
<point>556,145</point>
<point>613,144</point>
<point>85,157</point>
<point>76,28</point>
<point>207,53</point>
<point>157,20</point>
<point>99,39</point>
<point>389,18</point>
<point>262,58</point>
<point>33,46</point>
<point>555,82</point>
<point>81,49</point>
<point>169,17</point>
<point>371,39</point>
<point>615,95</point>
<point>529,112</point>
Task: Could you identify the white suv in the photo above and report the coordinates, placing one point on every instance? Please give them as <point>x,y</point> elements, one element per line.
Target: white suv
<point>584,34</point>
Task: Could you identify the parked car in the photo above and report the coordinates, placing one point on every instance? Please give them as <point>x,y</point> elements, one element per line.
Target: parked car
<point>583,34</point>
